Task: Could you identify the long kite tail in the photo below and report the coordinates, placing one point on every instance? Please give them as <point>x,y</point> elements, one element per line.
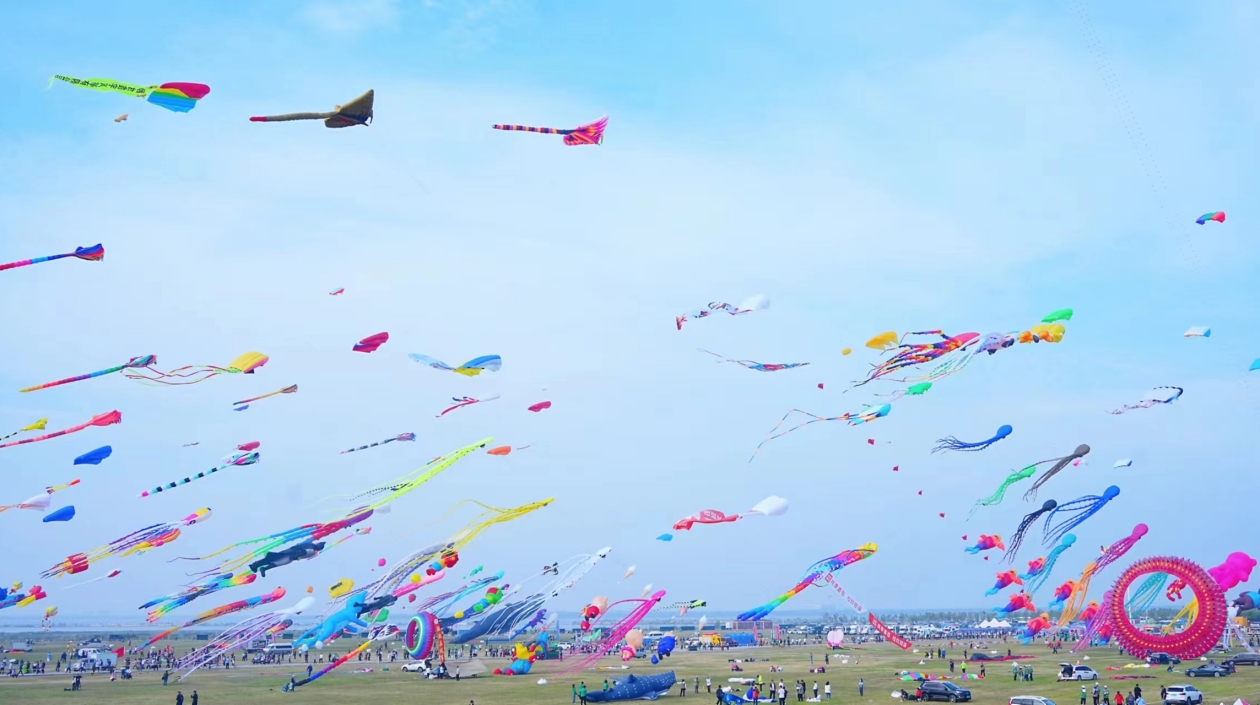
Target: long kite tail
<point>95,253</point>
<point>814,418</point>
<point>526,128</point>
<point>37,426</point>
<point>105,419</point>
<point>292,116</point>
<point>133,363</point>
<point>287,390</point>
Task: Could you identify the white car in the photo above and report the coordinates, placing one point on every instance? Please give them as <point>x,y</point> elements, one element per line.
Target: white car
<point>1068,672</point>
<point>413,667</point>
<point>1187,694</point>
<point>1030,700</point>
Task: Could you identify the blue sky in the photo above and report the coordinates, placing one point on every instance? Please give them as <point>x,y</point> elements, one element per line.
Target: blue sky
<point>908,167</point>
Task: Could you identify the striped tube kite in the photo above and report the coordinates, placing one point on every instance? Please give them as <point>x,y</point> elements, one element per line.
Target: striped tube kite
<point>136,542</point>
<point>811,577</point>
<point>134,363</point>
<point>291,389</point>
<point>177,97</point>
<point>106,419</point>
<point>175,600</point>
<point>236,459</point>
<point>399,437</point>
<point>222,610</point>
<point>95,253</point>
<point>245,364</point>
<point>1217,216</point>
<point>356,112</point>
<point>590,133</point>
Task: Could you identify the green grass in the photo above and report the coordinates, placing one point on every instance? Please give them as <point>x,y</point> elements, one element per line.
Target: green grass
<point>876,664</point>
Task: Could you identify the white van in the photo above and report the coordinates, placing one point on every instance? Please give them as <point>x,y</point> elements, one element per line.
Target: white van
<point>278,648</point>
<point>655,635</point>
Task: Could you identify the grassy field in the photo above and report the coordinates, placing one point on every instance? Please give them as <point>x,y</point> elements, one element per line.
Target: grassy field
<point>878,665</point>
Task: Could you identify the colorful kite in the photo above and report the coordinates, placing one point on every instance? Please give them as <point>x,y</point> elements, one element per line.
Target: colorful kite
<point>168,603</point>
<point>356,112</point>
<point>811,577</point>
<point>94,457</point>
<point>770,506</point>
<point>614,634</point>
<point>1059,463</point>
<point>1062,593</point>
<point>245,364</point>
<point>1004,580</point>
<point>461,402</point>
<point>1155,396</point>
<point>1076,511</point>
<point>590,133</point>
<point>914,390</point>
<point>177,97</point>
<point>263,626</point>
<point>235,460</point>
<point>106,419</point>
<point>1035,566</point>
<point>37,426</point>
<point>1113,553</point>
<point>911,354</point>
<point>753,303</point>
<point>404,484</point>
<point>221,611</point>
<point>951,443</point>
<point>986,542</point>
<point>1000,493</point>
<point>136,542</point>
<point>1063,314</point>
<point>1198,332</point>
<point>306,532</point>
<point>134,363</point>
<point>1035,581</point>
<point>1018,601</point>
<point>870,413</point>
<point>754,365</point>
<point>883,341</point>
<point>371,343</point>
<point>338,292</point>
<point>1218,216</point>
<point>66,513</point>
<point>291,389</point>
<point>1017,539</point>
<point>40,502</point>
<point>472,368</point>
<point>95,253</point>
<point>539,406</point>
<point>399,437</point>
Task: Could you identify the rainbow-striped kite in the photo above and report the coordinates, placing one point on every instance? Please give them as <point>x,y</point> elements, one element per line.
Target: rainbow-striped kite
<point>591,133</point>
<point>178,97</point>
<point>95,253</point>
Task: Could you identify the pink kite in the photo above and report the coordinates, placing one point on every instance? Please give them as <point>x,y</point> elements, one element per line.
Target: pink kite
<point>371,343</point>
<point>540,406</point>
<point>1004,580</point>
<point>105,419</point>
<point>705,516</point>
<point>337,292</point>
<point>1018,601</point>
<point>252,445</point>
<point>985,543</point>
<point>461,402</point>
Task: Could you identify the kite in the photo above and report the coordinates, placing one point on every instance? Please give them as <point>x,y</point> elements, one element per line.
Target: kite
<point>341,587</point>
<point>1036,580</point>
<point>37,426</point>
<point>1077,511</point>
<point>39,502</point>
<point>760,367</point>
<point>356,112</point>
<point>590,133</point>
<point>406,483</point>
<point>399,437</point>
<point>55,488</point>
<point>1123,463</point>
<point>616,632</point>
<point>870,413</point>
<point>133,363</point>
<point>1004,580</point>
<point>1000,494</point>
<point>106,419</point>
<point>1113,553</point>
<point>985,543</point>
<point>914,390</point>
<point>112,574</point>
<point>194,443</point>
<point>1035,626</point>
<point>1059,463</point>
<point>665,537</point>
<point>177,97</point>
<point>883,341</point>
<point>1017,539</point>
<point>168,603</point>
<point>385,631</point>
<point>951,443</point>
<point>242,634</point>
<point>277,559</point>
<point>1218,216</point>
<point>66,513</point>
<point>313,532</point>
<point>1017,602</point>
<point>539,406</point>
<point>287,390</point>
<point>911,354</point>
<point>121,118</point>
<point>472,368</point>
<point>338,292</point>
<point>500,450</point>
<point>461,402</point>
<point>223,610</point>
<point>136,542</point>
<point>771,506</point>
<point>812,574</point>
<point>1063,314</point>
<point>371,343</point>
<point>95,253</point>
<point>1062,593</point>
<point>1155,396</point>
<point>1035,566</point>
<point>706,516</point>
<point>241,408</point>
<point>1198,332</point>
<point>235,460</point>
<point>94,457</point>
<point>1255,365</point>
<point>245,364</point>
<point>753,303</point>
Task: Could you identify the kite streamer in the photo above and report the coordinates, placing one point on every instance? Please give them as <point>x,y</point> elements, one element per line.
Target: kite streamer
<point>229,608</point>
<point>1000,494</point>
<point>1036,580</point>
<point>1113,553</point>
<point>237,459</point>
<point>754,365</point>
<point>287,390</point>
<point>461,402</point>
<point>590,133</point>
<point>406,483</point>
<point>133,363</point>
<point>111,574</point>
<point>911,354</point>
<point>810,577</point>
<point>618,631</point>
<point>868,414</point>
<point>175,600</point>
<point>305,533</point>
<point>95,253</point>
<point>399,437</point>
<point>106,419</point>
<point>245,364</point>
<point>37,426</point>
<point>1059,463</point>
<point>1077,511</point>
<point>177,97</point>
<point>1017,539</point>
<point>951,443</point>
<point>40,502</point>
<point>1153,398</point>
<point>753,303</point>
<point>136,542</point>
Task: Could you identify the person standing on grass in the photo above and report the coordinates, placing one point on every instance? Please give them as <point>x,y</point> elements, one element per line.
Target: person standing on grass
<point>574,700</point>
<point>827,690</point>
<point>861,687</point>
<point>582,693</point>
<point>179,698</point>
<point>815,690</point>
<point>708,685</point>
<point>1097,690</point>
<point>194,698</point>
<point>682,690</point>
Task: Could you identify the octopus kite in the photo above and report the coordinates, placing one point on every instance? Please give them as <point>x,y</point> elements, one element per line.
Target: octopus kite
<point>591,133</point>
<point>136,542</point>
<point>870,413</point>
<point>1156,396</point>
<point>1113,553</point>
<point>95,253</point>
<point>1076,511</point>
<point>810,577</point>
<point>951,443</point>
<point>175,600</point>
<point>760,367</point>
<point>1059,463</point>
<point>356,112</point>
<point>245,364</point>
<point>1036,580</point>
<point>1000,494</point>
<point>230,608</point>
<point>1017,539</point>
<point>911,354</point>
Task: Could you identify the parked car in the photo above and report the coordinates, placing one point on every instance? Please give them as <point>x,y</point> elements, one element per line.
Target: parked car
<point>1068,672</point>
<point>413,667</point>
<point>1244,660</point>
<point>1030,700</point>
<point>1213,670</point>
<point>1160,658</point>
<point>944,690</point>
<point>1187,694</point>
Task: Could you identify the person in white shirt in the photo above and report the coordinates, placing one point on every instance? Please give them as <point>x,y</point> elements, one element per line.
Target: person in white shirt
<point>827,689</point>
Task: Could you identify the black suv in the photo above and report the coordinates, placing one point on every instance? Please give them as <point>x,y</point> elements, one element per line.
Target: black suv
<point>1160,658</point>
<point>944,690</point>
<point>1244,660</point>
